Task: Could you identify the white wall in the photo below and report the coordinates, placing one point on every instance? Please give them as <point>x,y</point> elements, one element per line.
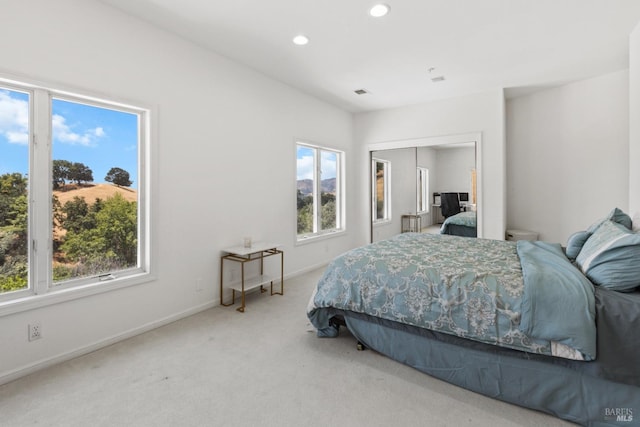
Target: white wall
<point>567,149</point>
<point>224,145</point>
<point>482,113</point>
<point>634,122</point>
<point>453,170</point>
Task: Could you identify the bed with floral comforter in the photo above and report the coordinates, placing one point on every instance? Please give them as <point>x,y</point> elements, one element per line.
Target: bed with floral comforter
<point>514,321</point>
<point>470,288</point>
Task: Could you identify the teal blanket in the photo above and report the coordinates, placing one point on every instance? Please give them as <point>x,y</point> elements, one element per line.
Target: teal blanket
<point>472,288</point>
<point>556,290</point>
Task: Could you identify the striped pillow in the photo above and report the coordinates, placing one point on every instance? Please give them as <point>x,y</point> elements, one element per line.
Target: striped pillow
<point>611,257</point>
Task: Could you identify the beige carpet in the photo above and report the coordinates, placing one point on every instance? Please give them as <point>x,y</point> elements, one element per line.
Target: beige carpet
<point>261,368</point>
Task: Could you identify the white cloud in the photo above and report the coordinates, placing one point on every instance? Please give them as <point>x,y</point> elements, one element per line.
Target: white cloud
<point>305,167</point>
<point>14,119</point>
<point>62,132</point>
<point>328,165</point>
<point>14,124</point>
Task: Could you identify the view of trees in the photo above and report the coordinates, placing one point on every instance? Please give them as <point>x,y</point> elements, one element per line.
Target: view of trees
<point>88,239</point>
<point>64,170</point>
<point>305,212</point>
<point>13,232</point>
<point>119,177</point>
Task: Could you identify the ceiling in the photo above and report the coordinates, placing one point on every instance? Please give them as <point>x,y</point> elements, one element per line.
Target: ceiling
<point>476,45</point>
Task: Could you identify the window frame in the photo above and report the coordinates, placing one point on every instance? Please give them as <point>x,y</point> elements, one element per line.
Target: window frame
<point>317,181</point>
<point>41,290</point>
<point>422,187</point>
<point>386,191</point>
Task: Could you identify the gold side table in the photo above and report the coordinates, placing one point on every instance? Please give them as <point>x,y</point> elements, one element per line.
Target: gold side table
<point>257,252</point>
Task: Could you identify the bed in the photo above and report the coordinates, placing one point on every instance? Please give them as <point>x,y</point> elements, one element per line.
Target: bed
<point>462,224</point>
<point>530,323</point>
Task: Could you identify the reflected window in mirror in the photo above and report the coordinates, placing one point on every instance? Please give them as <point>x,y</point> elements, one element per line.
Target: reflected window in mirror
<point>381,196</point>
<point>422,190</point>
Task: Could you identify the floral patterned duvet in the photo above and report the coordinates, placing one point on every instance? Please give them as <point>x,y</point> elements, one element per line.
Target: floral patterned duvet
<point>472,288</point>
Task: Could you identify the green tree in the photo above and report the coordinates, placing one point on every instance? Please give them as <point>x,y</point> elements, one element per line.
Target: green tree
<point>305,219</point>
<point>305,213</point>
<point>60,172</point>
<point>80,173</point>
<point>76,216</point>
<point>113,238</point>
<point>328,215</point>
<point>119,177</point>
<point>12,186</point>
<point>64,170</point>
<point>13,232</point>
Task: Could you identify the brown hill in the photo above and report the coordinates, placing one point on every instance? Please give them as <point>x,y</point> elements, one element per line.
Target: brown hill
<point>91,192</point>
<point>326,186</point>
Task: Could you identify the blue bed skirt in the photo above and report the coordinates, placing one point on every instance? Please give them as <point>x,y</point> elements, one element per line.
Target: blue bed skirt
<point>537,382</point>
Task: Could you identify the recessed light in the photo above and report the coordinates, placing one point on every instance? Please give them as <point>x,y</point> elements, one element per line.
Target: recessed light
<point>361,91</point>
<point>379,10</point>
<point>301,40</point>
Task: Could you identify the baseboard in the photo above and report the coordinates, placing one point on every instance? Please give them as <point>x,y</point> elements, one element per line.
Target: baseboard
<point>51,361</point>
<point>306,270</point>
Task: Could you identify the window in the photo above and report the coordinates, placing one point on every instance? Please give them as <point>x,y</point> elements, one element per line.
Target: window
<point>381,179</point>
<point>77,162</point>
<point>423,190</point>
<point>319,195</point>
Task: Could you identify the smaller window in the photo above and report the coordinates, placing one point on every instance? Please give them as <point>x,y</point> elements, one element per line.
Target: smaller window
<point>319,191</point>
<point>381,179</point>
<point>423,190</point>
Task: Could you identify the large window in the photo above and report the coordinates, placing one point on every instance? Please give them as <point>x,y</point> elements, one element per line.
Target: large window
<point>422,190</point>
<point>319,195</point>
<point>381,193</point>
<point>72,188</point>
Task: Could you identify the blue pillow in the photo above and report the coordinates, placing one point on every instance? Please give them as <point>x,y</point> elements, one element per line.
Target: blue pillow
<point>575,243</point>
<point>617,216</point>
<point>611,257</point>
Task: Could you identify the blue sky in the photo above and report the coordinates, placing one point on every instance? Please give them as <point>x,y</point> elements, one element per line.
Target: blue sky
<point>305,163</point>
<point>97,137</point>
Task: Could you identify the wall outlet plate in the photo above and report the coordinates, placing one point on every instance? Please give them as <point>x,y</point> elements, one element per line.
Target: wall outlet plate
<point>35,331</point>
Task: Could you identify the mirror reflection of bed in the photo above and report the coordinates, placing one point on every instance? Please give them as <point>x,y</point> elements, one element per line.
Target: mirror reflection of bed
<point>459,215</point>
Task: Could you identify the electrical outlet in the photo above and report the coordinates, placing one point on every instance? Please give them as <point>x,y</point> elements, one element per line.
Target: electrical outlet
<point>198,284</point>
<point>35,331</point>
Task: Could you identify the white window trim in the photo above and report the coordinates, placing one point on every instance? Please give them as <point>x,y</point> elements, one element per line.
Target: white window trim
<point>424,191</point>
<point>42,292</point>
<point>341,228</point>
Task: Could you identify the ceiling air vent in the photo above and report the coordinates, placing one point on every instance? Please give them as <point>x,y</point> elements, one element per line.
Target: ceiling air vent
<point>360,91</point>
<point>435,79</point>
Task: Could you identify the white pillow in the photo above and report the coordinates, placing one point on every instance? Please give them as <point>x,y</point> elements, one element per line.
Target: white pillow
<point>635,222</point>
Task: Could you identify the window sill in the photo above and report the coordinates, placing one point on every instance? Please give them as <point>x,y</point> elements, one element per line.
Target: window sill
<point>318,237</point>
<point>59,296</point>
